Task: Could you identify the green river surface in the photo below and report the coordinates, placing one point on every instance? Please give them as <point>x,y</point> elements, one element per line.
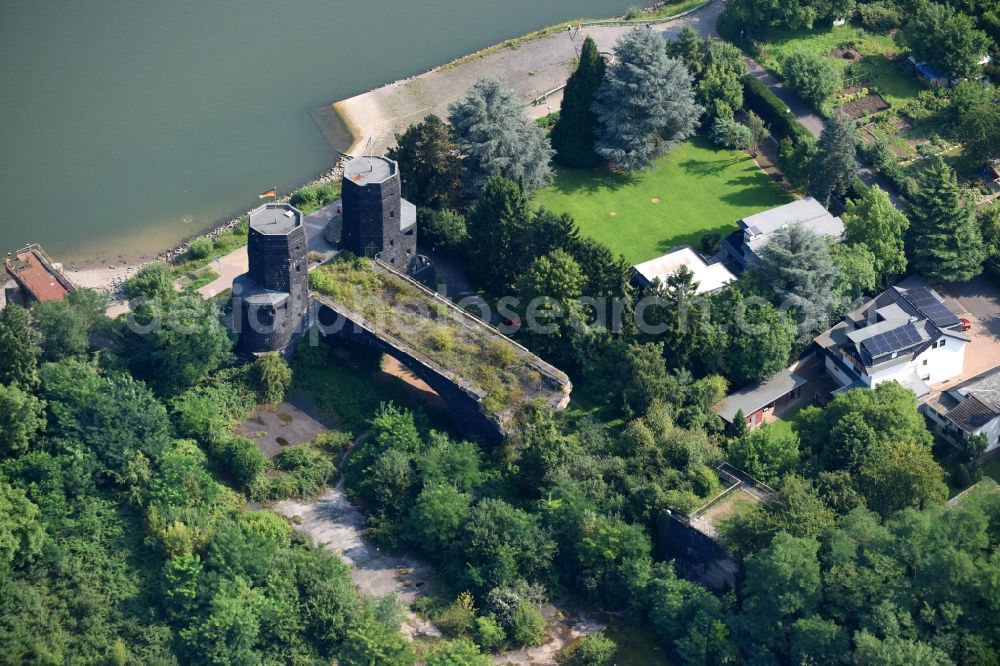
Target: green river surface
<point>128,125</point>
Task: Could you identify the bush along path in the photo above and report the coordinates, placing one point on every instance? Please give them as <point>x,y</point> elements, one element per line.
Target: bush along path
<point>335,524</point>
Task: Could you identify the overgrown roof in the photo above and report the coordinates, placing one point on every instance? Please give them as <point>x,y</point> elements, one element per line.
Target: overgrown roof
<point>474,354</point>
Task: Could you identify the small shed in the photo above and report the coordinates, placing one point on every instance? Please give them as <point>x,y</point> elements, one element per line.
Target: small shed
<point>761,400</point>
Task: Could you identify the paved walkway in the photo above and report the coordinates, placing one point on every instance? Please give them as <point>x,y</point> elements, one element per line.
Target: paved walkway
<point>333,523</point>
<point>530,69</point>
<point>236,263</point>
<point>803,113</point>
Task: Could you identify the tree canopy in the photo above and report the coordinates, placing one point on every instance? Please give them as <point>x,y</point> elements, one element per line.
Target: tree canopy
<point>946,237</point>
<point>574,133</point>
<point>429,164</point>
<point>498,139</point>
<point>645,104</point>
<point>873,221</point>
<point>834,167</point>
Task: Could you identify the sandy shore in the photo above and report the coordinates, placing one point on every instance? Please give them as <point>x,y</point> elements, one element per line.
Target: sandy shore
<point>531,68</point>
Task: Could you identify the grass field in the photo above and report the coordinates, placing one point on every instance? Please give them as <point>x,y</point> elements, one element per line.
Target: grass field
<point>696,189</point>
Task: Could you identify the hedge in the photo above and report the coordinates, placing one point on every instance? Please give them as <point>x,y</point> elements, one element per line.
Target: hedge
<point>758,98</point>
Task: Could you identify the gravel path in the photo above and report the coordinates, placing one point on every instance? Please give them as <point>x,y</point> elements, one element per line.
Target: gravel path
<point>333,522</point>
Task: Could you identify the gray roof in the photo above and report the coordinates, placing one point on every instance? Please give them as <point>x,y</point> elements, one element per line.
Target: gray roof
<point>972,414</point>
<point>407,214</point>
<point>275,218</point>
<point>808,211</point>
<point>245,288</point>
<point>366,170</point>
<point>753,397</point>
<point>915,384</point>
<point>985,386</point>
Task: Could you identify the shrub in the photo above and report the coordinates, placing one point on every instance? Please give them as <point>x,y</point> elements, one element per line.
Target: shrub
<point>758,98</point>
<point>306,197</point>
<point>594,650</point>
<point>728,133</point>
<point>458,617</point>
<point>880,16</point>
<point>273,377</point>
<point>240,459</point>
<point>795,160</point>
<point>442,229</point>
<point>813,77</point>
<point>151,281</point>
<point>201,247</point>
<point>489,633</point>
<point>334,442</point>
<point>527,627</point>
<point>308,468</point>
<point>710,243</point>
<point>440,338</point>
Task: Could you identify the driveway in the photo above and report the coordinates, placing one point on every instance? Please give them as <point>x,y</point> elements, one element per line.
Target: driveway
<point>979,301</point>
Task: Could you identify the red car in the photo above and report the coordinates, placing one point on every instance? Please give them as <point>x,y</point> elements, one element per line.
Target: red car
<point>966,324</point>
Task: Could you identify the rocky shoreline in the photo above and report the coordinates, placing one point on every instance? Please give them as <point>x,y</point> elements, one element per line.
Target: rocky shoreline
<point>110,278</point>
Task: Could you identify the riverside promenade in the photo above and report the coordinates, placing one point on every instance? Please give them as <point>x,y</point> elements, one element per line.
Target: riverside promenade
<point>530,68</point>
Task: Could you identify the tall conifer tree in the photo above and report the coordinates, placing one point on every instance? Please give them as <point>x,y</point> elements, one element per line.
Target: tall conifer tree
<point>947,241</point>
<point>646,104</point>
<point>573,136</point>
<point>835,165</point>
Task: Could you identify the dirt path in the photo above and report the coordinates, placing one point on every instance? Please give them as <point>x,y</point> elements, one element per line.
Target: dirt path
<point>333,522</point>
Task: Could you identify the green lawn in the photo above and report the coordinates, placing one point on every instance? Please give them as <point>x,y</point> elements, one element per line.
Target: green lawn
<point>897,84</point>
<point>788,423</point>
<point>696,189</point>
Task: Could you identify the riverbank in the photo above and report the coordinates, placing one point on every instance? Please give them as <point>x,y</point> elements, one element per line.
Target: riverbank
<point>110,276</point>
<point>531,66</point>
<point>535,66</point>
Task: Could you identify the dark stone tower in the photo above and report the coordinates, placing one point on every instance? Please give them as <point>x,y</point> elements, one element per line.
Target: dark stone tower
<point>376,219</point>
<point>273,296</point>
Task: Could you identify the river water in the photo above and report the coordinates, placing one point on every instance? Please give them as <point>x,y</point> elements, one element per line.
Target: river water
<point>127,125</point>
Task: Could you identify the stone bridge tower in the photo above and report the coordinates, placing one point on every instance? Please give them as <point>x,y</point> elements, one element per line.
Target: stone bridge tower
<point>376,219</point>
<point>273,297</point>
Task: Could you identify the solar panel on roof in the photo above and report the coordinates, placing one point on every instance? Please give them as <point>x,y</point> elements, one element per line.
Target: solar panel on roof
<point>895,340</point>
<point>928,305</point>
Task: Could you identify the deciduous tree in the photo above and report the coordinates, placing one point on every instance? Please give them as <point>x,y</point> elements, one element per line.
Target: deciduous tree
<point>876,223</point>
<point>19,359</point>
<point>947,39</point>
<point>21,417</point>
<point>813,77</point>
<point>429,164</point>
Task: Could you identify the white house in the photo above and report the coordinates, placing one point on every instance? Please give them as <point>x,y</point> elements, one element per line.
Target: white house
<point>906,334</point>
<point>755,231</point>
<point>710,277</point>
<point>968,409</point>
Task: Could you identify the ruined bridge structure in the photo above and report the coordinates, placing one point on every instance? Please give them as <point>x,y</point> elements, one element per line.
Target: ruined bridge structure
<point>483,376</point>
<point>368,294</point>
